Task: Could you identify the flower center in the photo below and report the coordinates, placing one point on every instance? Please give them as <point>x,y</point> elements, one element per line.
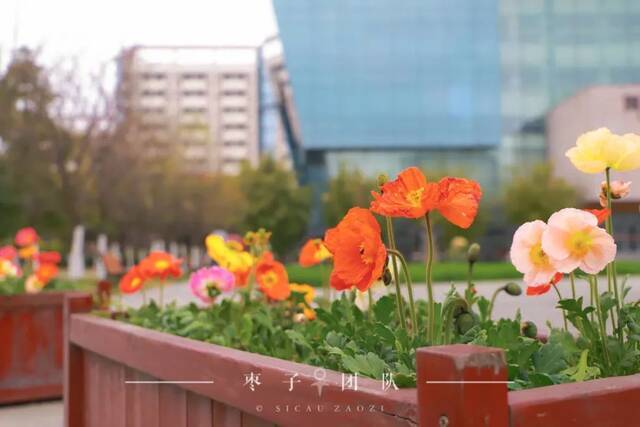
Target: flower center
<point>537,256</point>
<point>367,259</point>
<point>162,264</point>
<point>135,282</point>
<point>269,279</point>
<point>579,243</point>
<point>415,197</point>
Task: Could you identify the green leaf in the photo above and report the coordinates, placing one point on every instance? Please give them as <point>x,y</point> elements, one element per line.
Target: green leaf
<point>549,359</point>
<point>384,309</point>
<point>582,371</point>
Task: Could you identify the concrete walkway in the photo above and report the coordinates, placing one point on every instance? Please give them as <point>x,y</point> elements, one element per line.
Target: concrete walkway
<point>539,309</point>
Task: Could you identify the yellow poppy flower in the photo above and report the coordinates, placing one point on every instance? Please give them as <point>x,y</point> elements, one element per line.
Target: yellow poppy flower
<point>229,255</point>
<point>309,294</point>
<point>597,150</point>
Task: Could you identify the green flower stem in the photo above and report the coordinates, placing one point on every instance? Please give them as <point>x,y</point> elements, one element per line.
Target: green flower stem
<point>407,276</point>
<point>611,268</point>
<point>564,313</point>
<point>399,303</point>
<point>573,285</point>
<point>593,281</point>
<point>429,269</point>
<point>493,300</point>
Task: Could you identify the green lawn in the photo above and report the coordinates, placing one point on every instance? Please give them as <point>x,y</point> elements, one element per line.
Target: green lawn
<point>443,271</point>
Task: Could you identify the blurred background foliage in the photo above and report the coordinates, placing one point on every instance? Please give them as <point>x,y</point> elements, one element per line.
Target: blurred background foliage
<point>68,159</point>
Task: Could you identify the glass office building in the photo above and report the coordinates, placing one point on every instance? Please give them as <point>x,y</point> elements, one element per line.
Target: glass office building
<point>450,85</point>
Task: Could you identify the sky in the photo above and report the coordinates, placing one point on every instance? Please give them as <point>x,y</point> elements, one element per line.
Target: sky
<point>94,31</point>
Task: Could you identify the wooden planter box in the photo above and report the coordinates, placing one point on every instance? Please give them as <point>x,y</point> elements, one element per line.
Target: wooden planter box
<point>31,344</point>
<point>119,374</point>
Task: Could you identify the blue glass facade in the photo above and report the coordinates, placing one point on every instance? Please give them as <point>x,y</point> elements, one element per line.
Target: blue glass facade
<point>379,73</point>
<point>451,85</point>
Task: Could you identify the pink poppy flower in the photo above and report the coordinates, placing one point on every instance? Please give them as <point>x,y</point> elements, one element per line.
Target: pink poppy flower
<point>8,252</point>
<point>574,240</point>
<point>209,282</point>
<point>27,237</point>
<point>527,255</point>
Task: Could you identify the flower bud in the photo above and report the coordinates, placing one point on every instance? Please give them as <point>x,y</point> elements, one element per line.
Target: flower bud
<point>513,289</point>
<point>382,179</point>
<point>464,322</point>
<point>386,277</point>
<point>473,253</point>
<point>619,189</point>
<point>529,329</point>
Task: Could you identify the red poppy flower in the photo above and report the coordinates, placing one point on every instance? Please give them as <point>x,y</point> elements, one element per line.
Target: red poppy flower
<point>8,252</point>
<point>27,236</point>
<point>51,257</point>
<point>313,252</point>
<point>272,278</point>
<point>160,265</point>
<point>46,272</point>
<point>545,287</point>
<point>358,252</point>
<point>601,214</point>
<point>411,196</point>
<point>132,281</point>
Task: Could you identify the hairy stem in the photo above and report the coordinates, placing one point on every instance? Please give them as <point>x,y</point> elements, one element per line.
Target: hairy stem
<point>394,265</point>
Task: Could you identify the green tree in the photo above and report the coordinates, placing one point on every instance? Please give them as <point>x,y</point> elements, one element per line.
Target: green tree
<point>347,189</point>
<point>276,202</point>
<point>536,194</point>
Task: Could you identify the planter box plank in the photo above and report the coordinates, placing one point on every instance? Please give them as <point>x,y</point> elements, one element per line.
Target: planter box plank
<point>199,410</point>
<point>614,401</point>
<point>151,355</point>
<point>31,350</point>
<point>170,358</point>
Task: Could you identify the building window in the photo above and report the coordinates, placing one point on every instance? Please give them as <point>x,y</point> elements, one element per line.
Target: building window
<point>234,143</point>
<point>234,110</point>
<point>231,126</point>
<point>233,76</point>
<point>194,110</point>
<point>631,103</point>
<point>194,93</point>
<point>153,76</point>
<point>233,93</point>
<point>194,76</point>
<point>153,93</point>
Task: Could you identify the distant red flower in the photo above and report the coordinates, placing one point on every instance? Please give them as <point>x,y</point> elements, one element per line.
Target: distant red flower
<point>601,214</point>
<point>132,281</point>
<point>8,252</point>
<point>27,237</point>
<point>51,257</point>
<point>160,265</point>
<point>313,252</point>
<point>545,287</point>
<point>272,278</point>
<point>46,272</point>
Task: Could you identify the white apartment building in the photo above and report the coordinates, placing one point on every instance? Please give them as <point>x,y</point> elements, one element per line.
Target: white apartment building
<point>202,101</point>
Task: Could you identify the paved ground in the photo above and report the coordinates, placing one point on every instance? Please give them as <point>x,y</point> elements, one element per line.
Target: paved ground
<point>538,309</point>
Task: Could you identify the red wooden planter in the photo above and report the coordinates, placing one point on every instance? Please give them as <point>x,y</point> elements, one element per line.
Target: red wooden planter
<point>119,374</point>
<point>31,344</point>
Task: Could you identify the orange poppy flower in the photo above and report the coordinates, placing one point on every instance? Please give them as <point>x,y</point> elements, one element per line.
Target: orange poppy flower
<point>160,265</point>
<point>28,252</point>
<point>132,281</point>
<point>409,196</point>
<point>27,237</point>
<point>313,252</point>
<point>601,214</point>
<point>272,278</point>
<point>545,287</point>
<point>358,252</point>
<point>241,277</point>
<point>459,200</point>
<point>46,272</point>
